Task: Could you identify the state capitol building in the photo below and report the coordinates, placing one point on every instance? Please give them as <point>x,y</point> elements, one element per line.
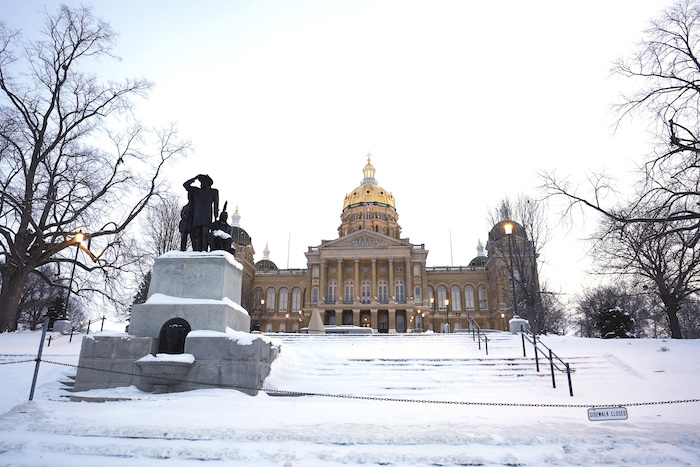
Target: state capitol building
<point>371,277</point>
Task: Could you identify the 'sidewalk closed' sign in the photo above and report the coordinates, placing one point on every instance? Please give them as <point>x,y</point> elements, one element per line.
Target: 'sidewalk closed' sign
<point>607,413</point>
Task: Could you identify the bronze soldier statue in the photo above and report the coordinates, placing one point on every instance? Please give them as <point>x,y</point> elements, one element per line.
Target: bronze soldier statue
<point>204,208</point>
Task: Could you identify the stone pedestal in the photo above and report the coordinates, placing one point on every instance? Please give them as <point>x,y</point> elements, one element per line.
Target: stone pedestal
<point>194,300</point>
<point>518,324</point>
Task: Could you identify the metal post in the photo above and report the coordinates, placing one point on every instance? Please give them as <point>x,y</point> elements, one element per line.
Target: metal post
<point>522,334</point>
<point>71,334</point>
<point>486,341</point>
<point>49,344</point>
<point>551,367</point>
<point>38,358</point>
<point>478,333</point>
<point>537,358</point>
<point>568,375</point>
<point>103,323</point>
<point>88,327</point>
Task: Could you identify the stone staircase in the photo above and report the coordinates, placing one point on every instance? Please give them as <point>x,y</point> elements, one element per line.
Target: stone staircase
<point>422,365</point>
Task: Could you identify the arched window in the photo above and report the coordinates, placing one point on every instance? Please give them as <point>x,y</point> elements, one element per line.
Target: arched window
<point>456,300</point>
<point>483,298</point>
<point>416,270</point>
<point>295,327</point>
<point>332,291</point>
<point>383,292</point>
<point>419,321</point>
<point>296,299</point>
<point>270,301</point>
<point>349,291</point>
<point>281,328</point>
<point>431,298</point>
<point>268,328</point>
<point>315,271</point>
<point>366,292</point>
<point>400,291</point>
<point>284,299</point>
<point>314,295</point>
<point>442,296</point>
<point>417,295</point>
<point>469,297</point>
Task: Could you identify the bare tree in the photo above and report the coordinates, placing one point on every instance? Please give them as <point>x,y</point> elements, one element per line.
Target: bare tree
<point>666,66</point>
<point>524,254</point>
<point>161,227</point>
<point>659,257</point>
<point>72,160</point>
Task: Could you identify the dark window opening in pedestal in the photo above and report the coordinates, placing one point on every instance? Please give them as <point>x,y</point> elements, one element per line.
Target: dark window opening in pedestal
<point>172,335</point>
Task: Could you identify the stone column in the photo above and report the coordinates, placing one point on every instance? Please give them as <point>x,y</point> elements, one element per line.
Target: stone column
<point>390,286</point>
<point>373,319</point>
<point>374,279</point>
<point>341,286</point>
<point>409,279</point>
<point>322,286</point>
<point>358,287</point>
<point>356,318</point>
<point>338,317</point>
<point>392,321</point>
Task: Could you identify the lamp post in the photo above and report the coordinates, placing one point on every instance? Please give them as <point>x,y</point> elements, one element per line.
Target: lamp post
<point>508,228</point>
<point>503,318</point>
<point>79,237</point>
<point>457,326</point>
<point>447,313</point>
<point>432,311</point>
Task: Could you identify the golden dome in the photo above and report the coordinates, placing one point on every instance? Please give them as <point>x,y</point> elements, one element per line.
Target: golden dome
<point>369,191</point>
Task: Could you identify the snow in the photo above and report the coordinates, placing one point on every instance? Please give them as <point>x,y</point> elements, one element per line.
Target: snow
<point>164,357</point>
<point>199,254</point>
<point>425,400</point>
<point>162,299</point>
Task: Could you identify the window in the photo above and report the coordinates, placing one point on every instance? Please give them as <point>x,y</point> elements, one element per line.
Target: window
<point>383,292</point>
<point>284,299</point>
<point>483,298</point>
<point>296,299</point>
<point>349,291</point>
<point>332,291</point>
<point>315,271</point>
<point>416,270</point>
<point>442,296</point>
<point>368,216</point>
<point>281,328</point>
<point>270,301</point>
<point>400,291</point>
<point>456,298</point>
<point>417,295</point>
<point>469,297</point>
<point>314,295</point>
<point>268,328</point>
<point>431,297</point>
<point>419,321</point>
<point>366,292</point>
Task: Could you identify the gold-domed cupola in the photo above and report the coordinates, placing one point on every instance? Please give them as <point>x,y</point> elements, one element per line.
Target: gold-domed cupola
<point>369,206</point>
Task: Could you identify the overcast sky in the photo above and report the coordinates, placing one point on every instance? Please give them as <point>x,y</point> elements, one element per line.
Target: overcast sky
<point>460,103</point>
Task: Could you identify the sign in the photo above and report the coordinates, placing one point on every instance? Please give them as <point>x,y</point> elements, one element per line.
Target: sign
<point>597,414</point>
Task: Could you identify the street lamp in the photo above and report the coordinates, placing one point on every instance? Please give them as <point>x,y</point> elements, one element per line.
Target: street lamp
<point>508,228</point>
<point>457,325</point>
<point>432,311</point>
<point>79,237</point>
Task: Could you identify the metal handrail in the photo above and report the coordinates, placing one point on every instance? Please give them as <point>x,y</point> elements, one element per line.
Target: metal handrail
<point>476,333</point>
<point>549,355</point>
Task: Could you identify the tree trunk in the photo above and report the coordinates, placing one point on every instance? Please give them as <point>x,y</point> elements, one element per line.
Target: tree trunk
<point>10,295</point>
<point>674,325</point>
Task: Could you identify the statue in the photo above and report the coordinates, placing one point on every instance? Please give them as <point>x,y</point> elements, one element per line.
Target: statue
<point>221,233</point>
<point>204,206</point>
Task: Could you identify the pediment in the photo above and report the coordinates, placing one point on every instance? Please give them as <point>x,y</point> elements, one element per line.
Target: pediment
<point>364,239</point>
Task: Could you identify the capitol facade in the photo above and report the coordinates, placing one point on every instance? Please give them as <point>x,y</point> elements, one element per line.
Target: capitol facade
<point>371,277</point>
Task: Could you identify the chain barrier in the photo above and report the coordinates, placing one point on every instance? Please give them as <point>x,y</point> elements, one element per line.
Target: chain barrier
<point>18,361</point>
<point>281,392</point>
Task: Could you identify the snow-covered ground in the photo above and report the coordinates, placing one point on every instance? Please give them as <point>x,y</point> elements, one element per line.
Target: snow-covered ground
<point>538,425</point>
